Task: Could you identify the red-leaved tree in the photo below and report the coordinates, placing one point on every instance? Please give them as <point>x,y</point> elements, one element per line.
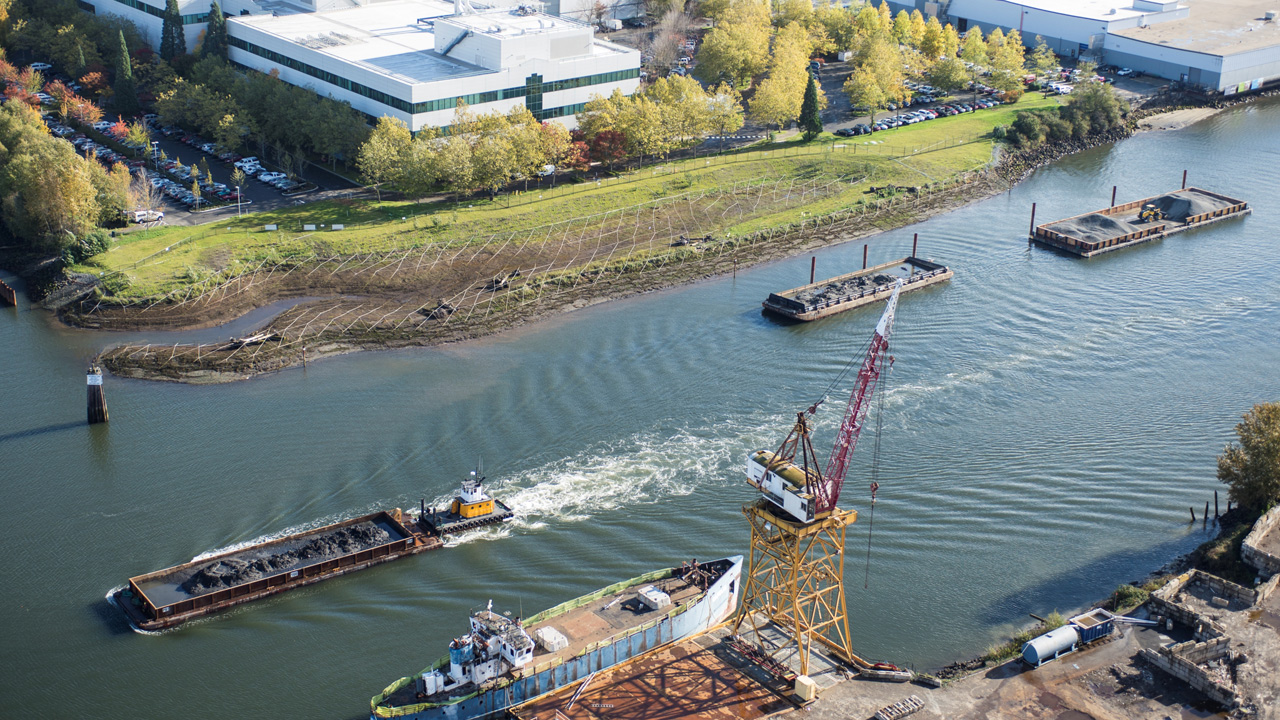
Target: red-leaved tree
<point>609,146</point>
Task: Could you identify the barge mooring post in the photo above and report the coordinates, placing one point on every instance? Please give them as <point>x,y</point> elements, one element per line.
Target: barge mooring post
<point>1215,505</point>
<point>915,238</point>
<point>97,401</point>
<point>1113,195</point>
<point>1184,179</point>
<point>864,257</point>
<point>1206,513</point>
<point>813,265</point>
<point>7,295</point>
<point>1193,514</point>
<point>1032,231</point>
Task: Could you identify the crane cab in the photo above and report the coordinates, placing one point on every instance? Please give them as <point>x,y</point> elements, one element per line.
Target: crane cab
<point>783,484</point>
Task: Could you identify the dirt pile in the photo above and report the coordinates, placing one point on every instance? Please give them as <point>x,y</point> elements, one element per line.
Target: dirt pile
<point>239,570</point>
<point>1180,206</point>
<point>834,291</point>
<point>1094,227</point>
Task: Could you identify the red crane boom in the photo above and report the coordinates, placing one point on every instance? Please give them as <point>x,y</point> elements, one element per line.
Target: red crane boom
<point>855,415</point>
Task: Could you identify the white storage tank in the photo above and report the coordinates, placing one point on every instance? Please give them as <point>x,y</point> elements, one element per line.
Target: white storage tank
<point>654,598</point>
<point>1050,645</point>
<point>550,638</point>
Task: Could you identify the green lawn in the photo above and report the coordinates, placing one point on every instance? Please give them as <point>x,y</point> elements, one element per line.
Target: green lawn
<point>153,262</point>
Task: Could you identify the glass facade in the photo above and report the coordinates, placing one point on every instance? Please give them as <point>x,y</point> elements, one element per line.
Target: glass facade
<point>532,90</point>
<point>159,12</point>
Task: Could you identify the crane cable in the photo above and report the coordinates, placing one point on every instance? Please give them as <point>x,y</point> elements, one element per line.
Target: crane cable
<point>855,359</point>
<point>875,465</point>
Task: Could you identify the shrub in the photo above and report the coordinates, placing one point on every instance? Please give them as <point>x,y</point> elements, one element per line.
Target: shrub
<point>1128,596</point>
<point>1000,132</point>
<point>1011,96</point>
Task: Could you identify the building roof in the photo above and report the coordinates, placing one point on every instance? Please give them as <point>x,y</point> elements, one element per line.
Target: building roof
<point>1100,10</point>
<point>1217,27</point>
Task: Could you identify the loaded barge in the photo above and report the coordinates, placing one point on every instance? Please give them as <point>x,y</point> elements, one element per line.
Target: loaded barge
<point>502,662</point>
<point>170,597</point>
<point>855,289</point>
<point>1137,222</point>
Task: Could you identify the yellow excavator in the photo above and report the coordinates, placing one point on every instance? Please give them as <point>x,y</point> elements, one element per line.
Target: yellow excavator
<point>1150,213</point>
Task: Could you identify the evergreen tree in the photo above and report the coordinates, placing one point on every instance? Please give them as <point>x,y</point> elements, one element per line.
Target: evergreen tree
<point>810,118</point>
<point>126,94</point>
<point>80,63</point>
<point>215,38</point>
<point>172,40</point>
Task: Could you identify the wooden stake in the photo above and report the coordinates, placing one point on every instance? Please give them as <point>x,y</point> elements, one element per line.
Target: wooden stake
<point>1184,179</point>
<point>1032,231</point>
<point>915,238</point>
<point>1193,514</point>
<point>813,265</point>
<point>864,257</point>
<point>1215,505</point>
<point>1113,195</point>
<point>1206,513</point>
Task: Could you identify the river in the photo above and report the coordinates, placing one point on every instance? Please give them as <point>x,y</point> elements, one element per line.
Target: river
<point>1047,424</point>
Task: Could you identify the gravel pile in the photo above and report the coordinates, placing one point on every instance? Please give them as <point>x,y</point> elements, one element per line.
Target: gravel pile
<point>835,291</point>
<point>1094,227</point>
<point>1180,206</point>
<point>244,569</point>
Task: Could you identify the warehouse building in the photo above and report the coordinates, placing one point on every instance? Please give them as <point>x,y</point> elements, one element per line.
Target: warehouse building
<point>1225,46</point>
<point>415,59</point>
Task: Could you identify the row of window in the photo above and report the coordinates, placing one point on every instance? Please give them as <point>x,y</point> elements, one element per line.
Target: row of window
<point>159,12</point>
<point>531,90</point>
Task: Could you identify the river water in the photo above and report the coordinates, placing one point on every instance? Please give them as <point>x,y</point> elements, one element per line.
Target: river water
<point>1047,424</point>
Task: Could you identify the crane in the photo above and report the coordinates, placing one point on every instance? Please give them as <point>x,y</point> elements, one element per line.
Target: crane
<point>799,488</point>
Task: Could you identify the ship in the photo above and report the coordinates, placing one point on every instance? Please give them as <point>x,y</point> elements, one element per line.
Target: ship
<point>503,662</point>
<point>167,598</point>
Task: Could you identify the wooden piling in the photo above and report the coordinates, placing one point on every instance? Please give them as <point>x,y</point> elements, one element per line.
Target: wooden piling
<point>1113,195</point>
<point>915,238</point>
<point>7,295</point>
<point>1215,505</point>
<point>1206,513</point>
<point>1184,179</point>
<point>1193,514</point>
<point>97,401</point>
<point>864,257</point>
<point>813,265</point>
<point>1032,231</point>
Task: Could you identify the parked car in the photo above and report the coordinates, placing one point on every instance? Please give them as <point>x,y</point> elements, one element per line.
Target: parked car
<point>146,216</point>
<point>861,129</point>
<point>40,66</point>
<point>268,177</point>
<point>1122,72</point>
<point>844,132</point>
<point>101,125</point>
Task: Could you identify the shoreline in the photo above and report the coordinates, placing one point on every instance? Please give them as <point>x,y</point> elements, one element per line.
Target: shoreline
<point>217,365</point>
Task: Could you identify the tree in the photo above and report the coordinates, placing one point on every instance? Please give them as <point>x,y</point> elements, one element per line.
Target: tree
<point>1251,467</point>
<point>47,195</point>
<point>902,28</point>
<point>864,92</point>
<point>215,37</point>
<point>932,45</point>
<point>142,194</point>
<point>736,49</point>
<point>974,53</point>
<point>577,157</point>
<point>126,95</point>
<point>173,42</point>
<point>239,178</point>
<point>608,147</point>
<point>918,27</point>
<point>1043,61</point>
<point>838,25</point>
<point>139,134</point>
<point>948,74</point>
<point>1007,60</point>
<point>686,115</point>
<point>950,40</point>
<point>810,117</point>
<point>724,110</point>
<point>195,189</point>
<point>777,100</point>
<point>381,156</point>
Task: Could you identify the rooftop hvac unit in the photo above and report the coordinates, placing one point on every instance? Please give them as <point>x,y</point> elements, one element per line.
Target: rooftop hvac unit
<point>1271,15</point>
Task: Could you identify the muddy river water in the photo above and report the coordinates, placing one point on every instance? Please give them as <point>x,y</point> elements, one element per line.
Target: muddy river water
<point>1047,424</point>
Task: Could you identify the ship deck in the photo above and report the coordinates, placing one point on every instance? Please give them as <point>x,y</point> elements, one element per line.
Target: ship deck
<point>693,678</point>
<point>592,622</point>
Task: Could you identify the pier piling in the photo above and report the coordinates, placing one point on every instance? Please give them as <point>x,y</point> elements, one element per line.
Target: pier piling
<point>1193,514</point>
<point>1113,195</point>
<point>97,401</point>
<point>864,257</point>
<point>1206,513</point>
<point>1032,231</point>
<point>1184,179</point>
<point>915,238</point>
<point>1215,505</point>
<point>7,295</point>
<point>813,265</point>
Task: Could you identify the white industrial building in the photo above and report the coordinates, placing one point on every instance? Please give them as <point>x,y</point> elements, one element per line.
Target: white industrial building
<point>1220,45</point>
<point>415,59</point>
<point>148,15</point>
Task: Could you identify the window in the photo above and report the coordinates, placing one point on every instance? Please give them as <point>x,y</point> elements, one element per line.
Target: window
<point>159,12</point>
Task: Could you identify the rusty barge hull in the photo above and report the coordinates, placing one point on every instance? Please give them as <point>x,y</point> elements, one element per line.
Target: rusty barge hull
<point>1063,234</point>
<point>915,273</point>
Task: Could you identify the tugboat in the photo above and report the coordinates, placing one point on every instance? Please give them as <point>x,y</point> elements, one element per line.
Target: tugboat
<point>472,508</point>
<point>503,662</point>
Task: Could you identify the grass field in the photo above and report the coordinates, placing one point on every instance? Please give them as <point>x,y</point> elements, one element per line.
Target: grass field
<point>151,263</point>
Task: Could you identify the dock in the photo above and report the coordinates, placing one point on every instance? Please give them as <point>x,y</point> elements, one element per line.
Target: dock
<point>1122,226</point>
<point>853,290</point>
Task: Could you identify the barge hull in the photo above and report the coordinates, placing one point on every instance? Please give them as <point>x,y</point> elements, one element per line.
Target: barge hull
<point>1057,238</point>
<point>148,614</point>
<point>786,304</point>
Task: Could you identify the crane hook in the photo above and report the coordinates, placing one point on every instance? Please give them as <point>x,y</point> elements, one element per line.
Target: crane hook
<point>874,487</point>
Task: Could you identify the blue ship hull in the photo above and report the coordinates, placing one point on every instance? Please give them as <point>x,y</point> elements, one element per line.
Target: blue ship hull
<point>702,613</point>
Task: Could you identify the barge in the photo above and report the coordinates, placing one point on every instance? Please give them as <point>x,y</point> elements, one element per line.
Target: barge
<point>167,598</point>
<point>504,662</point>
<point>855,289</point>
<point>1138,222</point>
